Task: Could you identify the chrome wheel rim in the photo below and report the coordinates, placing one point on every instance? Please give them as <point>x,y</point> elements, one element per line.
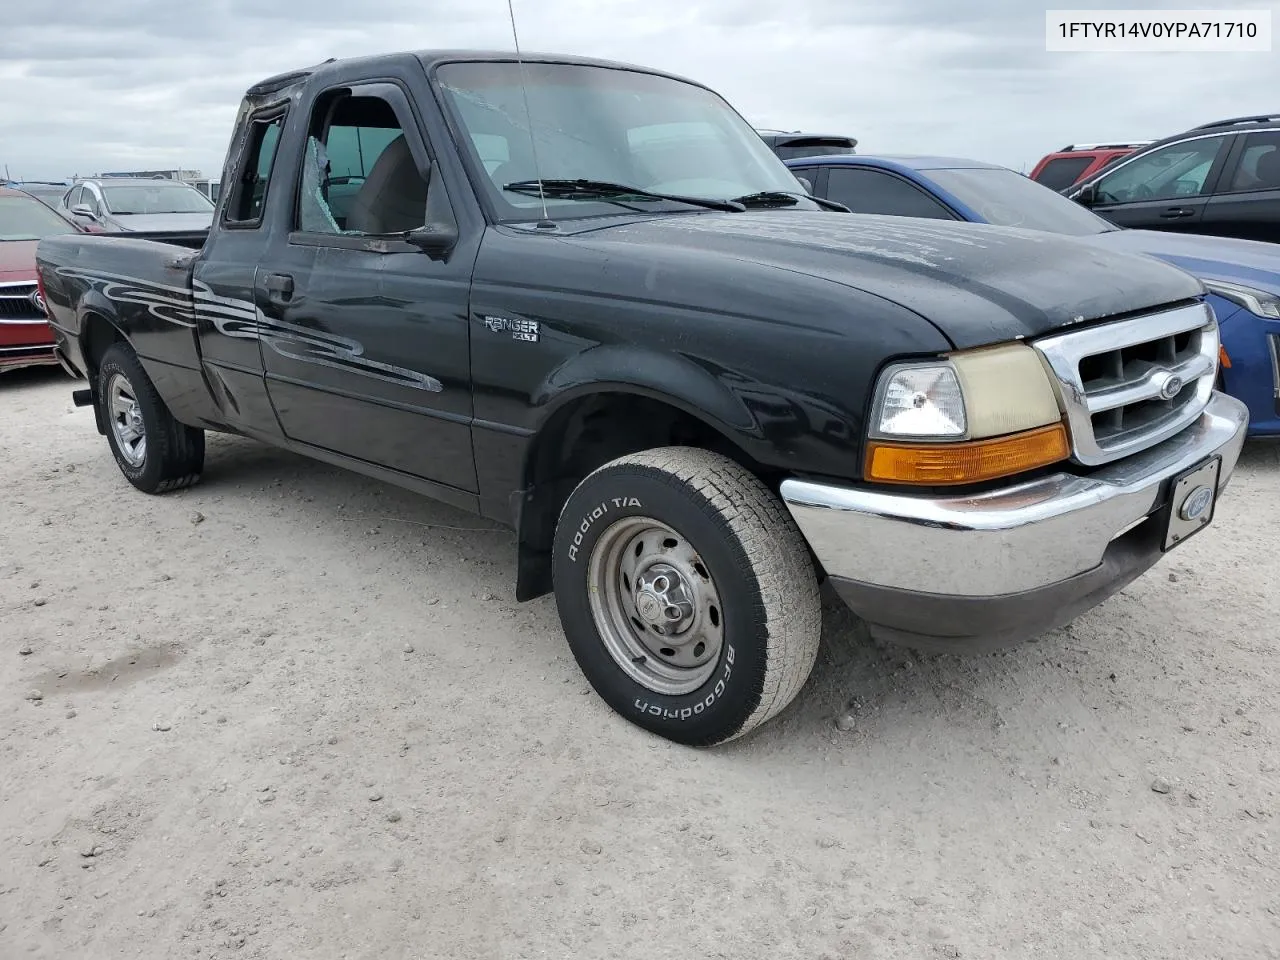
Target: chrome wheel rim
<point>126,420</point>
<point>656,606</point>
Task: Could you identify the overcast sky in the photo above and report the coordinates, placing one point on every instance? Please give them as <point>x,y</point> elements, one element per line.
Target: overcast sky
<point>94,85</point>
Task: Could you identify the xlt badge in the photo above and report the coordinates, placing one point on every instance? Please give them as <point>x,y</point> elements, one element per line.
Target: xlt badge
<point>520,329</point>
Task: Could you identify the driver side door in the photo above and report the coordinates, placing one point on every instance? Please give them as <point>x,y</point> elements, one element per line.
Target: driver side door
<point>1166,189</point>
<point>366,337</point>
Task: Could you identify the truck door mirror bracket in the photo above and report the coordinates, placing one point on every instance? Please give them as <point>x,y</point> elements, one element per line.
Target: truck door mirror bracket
<point>434,239</point>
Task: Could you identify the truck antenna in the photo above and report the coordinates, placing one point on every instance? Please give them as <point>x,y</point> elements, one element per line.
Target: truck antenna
<point>545,223</point>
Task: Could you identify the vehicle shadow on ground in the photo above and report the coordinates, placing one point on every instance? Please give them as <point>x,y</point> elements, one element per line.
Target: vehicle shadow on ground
<point>30,379</point>
<point>234,462</point>
<point>1263,454</point>
<point>852,671</point>
<point>859,688</point>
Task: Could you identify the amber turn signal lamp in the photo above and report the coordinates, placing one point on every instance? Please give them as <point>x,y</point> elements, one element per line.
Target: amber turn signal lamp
<point>1223,357</point>
<point>941,464</point>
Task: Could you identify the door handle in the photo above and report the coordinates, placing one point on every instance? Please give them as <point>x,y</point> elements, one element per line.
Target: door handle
<point>1174,213</point>
<point>279,287</point>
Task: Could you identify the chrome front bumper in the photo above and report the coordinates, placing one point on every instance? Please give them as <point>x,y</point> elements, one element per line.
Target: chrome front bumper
<point>1062,541</point>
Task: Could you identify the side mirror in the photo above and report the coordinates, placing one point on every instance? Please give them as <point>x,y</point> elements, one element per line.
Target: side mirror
<point>1087,196</point>
<point>806,183</point>
<point>438,235</point>
<point>83,210</point>
<point>434,239</point>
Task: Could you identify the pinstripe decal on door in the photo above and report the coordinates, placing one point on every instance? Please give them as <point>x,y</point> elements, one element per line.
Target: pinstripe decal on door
<point>242,319</point>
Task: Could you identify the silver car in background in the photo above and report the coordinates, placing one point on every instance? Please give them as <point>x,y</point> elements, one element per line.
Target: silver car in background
<point>128,204</point>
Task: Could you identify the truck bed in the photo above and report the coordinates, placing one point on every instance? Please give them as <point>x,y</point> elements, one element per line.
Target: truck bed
<point>180,238</point>
<point>138,284</point>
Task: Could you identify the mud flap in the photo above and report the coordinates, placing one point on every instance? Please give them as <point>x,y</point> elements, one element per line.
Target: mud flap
<point>89,397</point>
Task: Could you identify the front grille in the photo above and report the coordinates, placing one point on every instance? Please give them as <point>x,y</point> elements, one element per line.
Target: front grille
<point>15,302</point>
<point>1131,384</point>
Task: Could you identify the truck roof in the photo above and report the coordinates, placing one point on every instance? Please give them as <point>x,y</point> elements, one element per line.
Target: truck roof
<point>432,58</point>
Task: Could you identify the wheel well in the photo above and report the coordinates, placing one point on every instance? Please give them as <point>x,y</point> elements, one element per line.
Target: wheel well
<point>585,435</point>
<point>97,334</point>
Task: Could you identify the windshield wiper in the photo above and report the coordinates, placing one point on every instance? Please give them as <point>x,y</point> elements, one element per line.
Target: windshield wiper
<point>611,192</point>
<point>780,198</point>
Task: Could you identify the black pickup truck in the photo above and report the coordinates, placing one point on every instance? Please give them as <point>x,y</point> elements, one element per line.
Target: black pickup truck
<point>586,299</point>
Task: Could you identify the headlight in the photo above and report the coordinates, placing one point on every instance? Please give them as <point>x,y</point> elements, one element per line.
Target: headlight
<point>921,400</point>
<point>1255,301</point>
<point>972,416</point>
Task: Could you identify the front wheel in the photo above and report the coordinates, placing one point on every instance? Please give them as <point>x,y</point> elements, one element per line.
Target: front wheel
<point>686,593</point>
<point>154,451</point>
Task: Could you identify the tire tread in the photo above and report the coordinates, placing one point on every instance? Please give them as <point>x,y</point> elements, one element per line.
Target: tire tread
<point>178,448</point>
<point>776,555</point>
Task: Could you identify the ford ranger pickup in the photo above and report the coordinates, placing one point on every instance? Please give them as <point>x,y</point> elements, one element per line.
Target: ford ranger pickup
<point>587,300</point>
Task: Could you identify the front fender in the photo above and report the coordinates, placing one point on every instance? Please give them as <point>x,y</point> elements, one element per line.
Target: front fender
<point>761,421</point>
<point>775,426</point>
<point>671,378</point>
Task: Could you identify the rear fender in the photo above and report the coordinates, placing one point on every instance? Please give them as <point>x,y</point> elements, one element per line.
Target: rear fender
<point>99,327</point>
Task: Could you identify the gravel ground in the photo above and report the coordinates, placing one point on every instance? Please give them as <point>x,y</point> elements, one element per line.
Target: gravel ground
<point>295,713</point>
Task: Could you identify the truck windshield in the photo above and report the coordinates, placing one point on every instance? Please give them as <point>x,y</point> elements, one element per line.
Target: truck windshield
<point>152,197</point>
<point>606,125</point>
<point>25,218</point>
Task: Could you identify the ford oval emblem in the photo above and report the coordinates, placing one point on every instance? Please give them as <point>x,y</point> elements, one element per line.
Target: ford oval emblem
<point>1171,387</point>
<point>1196,503</point>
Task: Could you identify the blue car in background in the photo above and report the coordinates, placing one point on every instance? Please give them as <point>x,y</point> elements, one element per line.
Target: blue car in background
<point>1242,276</point>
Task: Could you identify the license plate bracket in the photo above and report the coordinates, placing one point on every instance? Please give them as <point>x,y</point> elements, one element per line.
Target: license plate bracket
<point>1193,497</point>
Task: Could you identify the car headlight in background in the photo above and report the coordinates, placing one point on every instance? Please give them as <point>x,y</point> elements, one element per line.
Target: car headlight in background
<point>1256,301</point>
<point>971,416</point>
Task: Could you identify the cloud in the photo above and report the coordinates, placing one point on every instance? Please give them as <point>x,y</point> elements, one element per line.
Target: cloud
<point>91,86</point>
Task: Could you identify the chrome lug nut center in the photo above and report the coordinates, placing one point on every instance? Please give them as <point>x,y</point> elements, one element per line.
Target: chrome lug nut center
<point>663,600</point>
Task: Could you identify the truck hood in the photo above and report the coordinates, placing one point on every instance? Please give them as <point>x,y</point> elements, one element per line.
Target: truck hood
<point>978,284</point>
<point>18,260</point>
<point>163,221</point>
<point>1250,262</point>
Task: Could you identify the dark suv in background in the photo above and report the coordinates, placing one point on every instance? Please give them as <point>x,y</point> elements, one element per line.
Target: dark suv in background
<point>1221,178</point>
<point>795,144</point>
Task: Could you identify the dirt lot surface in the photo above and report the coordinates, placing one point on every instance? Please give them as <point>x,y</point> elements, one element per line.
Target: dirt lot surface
<point>295,713</point>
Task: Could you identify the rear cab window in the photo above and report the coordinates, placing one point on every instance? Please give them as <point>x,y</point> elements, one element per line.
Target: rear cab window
<point>246,204</point>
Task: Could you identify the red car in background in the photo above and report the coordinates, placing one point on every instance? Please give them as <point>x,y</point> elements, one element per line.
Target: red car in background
<point>25,337</point>
<point>1075,161</point>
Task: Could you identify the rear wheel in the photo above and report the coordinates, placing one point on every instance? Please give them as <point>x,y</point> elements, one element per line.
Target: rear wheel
<point>154,451</point>
<point>686,593</point>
